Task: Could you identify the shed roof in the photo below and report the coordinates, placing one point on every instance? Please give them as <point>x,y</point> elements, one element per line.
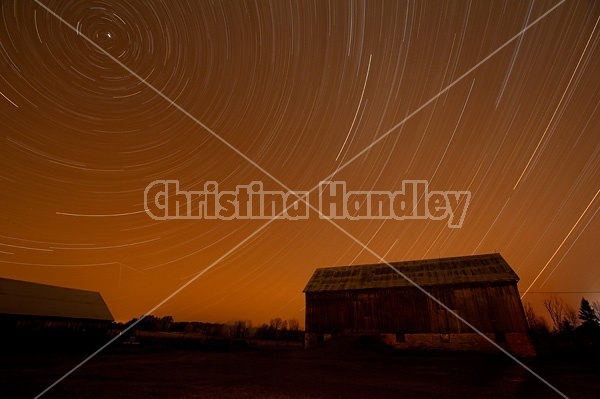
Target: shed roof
<point>488,268</point>
<point>33,299</point>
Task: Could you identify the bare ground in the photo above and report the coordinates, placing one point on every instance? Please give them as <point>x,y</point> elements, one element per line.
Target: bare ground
<point>331,371</point>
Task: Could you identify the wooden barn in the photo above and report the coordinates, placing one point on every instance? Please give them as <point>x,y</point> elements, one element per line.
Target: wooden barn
<point>375,299</point>
<point>32,312</point>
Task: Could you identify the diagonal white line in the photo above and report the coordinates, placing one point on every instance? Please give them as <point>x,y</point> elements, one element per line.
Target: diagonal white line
<point>433,298</point>
<point>432,99</point>
<point>430,296</point>
<point>537,147</point>
<point>561,244</point>
<point>569,249</point>
<point>283,185</point>
<point>177,291</point>
<point>161,94</point>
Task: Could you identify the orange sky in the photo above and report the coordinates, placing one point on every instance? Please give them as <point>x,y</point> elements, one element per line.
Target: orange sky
<point>293,87</point>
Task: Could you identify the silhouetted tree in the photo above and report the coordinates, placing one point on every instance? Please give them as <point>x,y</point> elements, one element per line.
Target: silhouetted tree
<point>556,308</point>
<point>293,325</point>
<point>571,320</point>
<point>536,323</point>
<point>239,329</point>
<point>130,322</point>
<point>264,332</point>
<point>566,327</point>
<point>587,314</point>
<point>165,323</point>
<point>596,306</point>
<point>294,333</point>
<point>276,324</point>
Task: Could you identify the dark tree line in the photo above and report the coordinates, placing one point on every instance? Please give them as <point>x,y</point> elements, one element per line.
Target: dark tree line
<point>276,329</point>
<point>280,330</point>
<point>167,324</point>
<point>571,332</point>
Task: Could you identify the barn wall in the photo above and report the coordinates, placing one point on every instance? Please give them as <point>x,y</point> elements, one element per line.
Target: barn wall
<point>490,308</point>
<point>16,324</point>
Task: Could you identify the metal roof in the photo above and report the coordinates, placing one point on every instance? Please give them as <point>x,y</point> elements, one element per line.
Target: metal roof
<point>33,299</point>
<point>458,270</point>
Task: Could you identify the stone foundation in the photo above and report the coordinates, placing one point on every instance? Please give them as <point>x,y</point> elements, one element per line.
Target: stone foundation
<point>517,344</point>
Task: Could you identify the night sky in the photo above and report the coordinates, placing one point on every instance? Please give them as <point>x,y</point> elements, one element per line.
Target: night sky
<point>299,88</point>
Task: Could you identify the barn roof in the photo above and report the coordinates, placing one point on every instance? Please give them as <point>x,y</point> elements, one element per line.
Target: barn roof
<point>459,270</point>
<point>33,299</point>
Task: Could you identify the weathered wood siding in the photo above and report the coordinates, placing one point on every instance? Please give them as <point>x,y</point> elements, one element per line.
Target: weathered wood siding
<point>489,307</point>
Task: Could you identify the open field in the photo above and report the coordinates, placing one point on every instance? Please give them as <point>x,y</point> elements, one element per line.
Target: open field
<point>333,371</point>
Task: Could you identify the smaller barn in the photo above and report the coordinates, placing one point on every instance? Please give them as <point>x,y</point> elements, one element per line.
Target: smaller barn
<point>375,299</point>
<point>32,312</point>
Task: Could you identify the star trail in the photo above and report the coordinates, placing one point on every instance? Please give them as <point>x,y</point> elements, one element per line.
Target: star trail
<point>498,98</point>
